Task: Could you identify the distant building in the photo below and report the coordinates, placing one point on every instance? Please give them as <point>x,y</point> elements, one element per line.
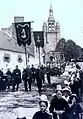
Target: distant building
<point>51,37</point>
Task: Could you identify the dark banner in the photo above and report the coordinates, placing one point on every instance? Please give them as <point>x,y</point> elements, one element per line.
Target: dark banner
<point>23,33</point>
<point>39,38</point>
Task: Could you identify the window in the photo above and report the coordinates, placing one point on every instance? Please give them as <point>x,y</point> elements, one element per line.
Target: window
<point>49,23</point>
<point>52,23</point>
<point>19,59</point>
<point>6,57</point>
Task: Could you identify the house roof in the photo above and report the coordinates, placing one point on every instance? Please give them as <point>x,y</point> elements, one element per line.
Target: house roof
<point>7,42</point>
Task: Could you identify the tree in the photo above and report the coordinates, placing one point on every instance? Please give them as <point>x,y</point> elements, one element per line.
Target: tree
<point>69,49</point>
<point>60,47</point>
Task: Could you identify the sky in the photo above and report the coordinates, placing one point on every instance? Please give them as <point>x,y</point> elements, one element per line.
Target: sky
<point>69,13</point>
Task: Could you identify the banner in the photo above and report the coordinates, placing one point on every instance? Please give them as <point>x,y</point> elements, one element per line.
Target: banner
<point>23,33</point>
<point>39,38</point>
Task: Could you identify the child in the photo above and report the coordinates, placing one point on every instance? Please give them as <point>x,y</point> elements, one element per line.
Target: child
<point>42,114</point>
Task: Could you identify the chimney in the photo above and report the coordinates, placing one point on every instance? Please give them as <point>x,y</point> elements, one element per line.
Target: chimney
<point>18,19</point>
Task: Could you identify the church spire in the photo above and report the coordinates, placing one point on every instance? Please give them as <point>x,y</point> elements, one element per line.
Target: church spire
<point>50,10</point>
<point>51,17</point>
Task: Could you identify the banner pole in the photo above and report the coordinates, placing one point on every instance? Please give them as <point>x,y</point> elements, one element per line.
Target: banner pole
<point>39,56</point>
<point>25,55</point>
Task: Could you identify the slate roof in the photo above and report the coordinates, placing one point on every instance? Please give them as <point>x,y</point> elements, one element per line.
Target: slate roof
<point>8,43</point>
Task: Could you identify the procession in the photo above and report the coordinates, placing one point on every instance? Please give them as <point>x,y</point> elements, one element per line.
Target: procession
<point>64,102</point>
<point>41,61</point>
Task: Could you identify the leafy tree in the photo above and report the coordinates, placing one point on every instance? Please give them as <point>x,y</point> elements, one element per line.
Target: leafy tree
<point>69,49</point>
<point>61,46</point>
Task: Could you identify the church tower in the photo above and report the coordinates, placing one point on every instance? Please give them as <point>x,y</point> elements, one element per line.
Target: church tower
<point>51,36</point>
<point>51,21</point>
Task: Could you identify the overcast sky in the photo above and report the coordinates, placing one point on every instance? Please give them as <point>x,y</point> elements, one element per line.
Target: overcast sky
<point>68,12</point>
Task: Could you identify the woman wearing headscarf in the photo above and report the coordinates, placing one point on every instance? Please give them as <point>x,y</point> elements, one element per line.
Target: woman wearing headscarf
<point>42,114</point>
<point>59,106</point>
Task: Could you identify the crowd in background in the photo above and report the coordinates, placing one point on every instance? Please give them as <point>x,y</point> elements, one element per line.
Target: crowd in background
<point>37,75</point>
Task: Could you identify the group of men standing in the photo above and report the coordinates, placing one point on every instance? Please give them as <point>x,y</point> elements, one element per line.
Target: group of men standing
<point>29,75</point>
<point>10,79</point>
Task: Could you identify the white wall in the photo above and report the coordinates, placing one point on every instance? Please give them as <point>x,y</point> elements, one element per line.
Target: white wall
<point>13,62</point>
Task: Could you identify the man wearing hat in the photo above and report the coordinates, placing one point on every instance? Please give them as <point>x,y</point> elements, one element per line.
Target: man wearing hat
<point>33,71</point>
<point>59,106</point>
<point>16,78</point>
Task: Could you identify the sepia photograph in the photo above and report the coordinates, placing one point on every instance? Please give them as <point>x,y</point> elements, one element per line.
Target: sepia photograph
<point>41,59</point>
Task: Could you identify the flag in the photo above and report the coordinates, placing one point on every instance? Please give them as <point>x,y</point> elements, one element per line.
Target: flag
<point>23,33</point>
<point>39,38</point>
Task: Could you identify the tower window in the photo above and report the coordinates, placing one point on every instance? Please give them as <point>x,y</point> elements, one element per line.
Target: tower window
<point>49,23</point>
<point>52,23</point>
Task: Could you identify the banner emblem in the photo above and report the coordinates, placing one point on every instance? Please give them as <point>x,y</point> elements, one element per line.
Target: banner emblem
<point>23,32</point>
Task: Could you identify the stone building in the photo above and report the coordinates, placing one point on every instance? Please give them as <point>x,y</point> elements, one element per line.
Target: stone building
<point>51,30</point>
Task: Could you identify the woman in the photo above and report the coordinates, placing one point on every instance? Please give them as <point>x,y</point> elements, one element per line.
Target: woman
<point>42,114</point>
<point>59,106</point>
<point>66,93</point>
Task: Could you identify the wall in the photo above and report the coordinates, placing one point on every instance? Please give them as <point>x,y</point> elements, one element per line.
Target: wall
<point>13,62</point>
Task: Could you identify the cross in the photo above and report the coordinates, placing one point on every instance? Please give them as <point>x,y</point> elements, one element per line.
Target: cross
<point>38,39</point>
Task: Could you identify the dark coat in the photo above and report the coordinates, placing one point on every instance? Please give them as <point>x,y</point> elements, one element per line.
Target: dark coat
<point>29,75</point>
<point>24,75</point>
<point>1,75</point>
<point>59,104</point>
<point>74,111</point>
<point>9,77</point>
<point>33,71</point>
<point>41,73</point>
<point>74,87</point>
<point>40,115</point>
<point>48,71</point>
<point>17,76</point>
<point>39,81</point>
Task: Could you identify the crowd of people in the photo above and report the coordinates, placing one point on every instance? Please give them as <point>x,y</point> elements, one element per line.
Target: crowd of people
<point>37,75</point>
<point>29,75</point>
<point>64,102</point>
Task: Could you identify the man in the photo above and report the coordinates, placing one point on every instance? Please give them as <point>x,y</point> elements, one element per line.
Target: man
<point>24,78</point>
<point>29,76</point>
<point>9,78</point>
<point>48,74</point>
<point>59,106</point>
<point>33,71</point>
<point>42,73</point>
<point>16,78</point>
<point>38,79</point>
